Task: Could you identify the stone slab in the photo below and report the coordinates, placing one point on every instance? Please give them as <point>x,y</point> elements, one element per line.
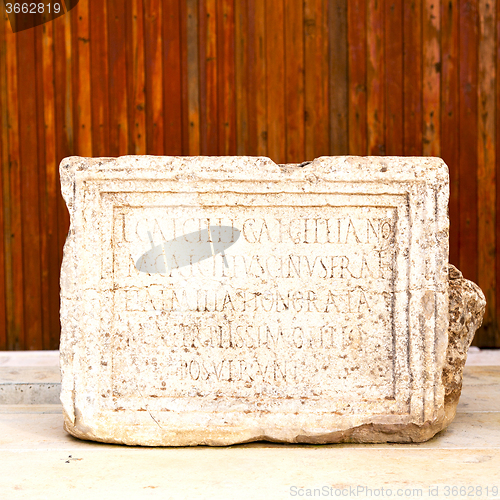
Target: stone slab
<point>30,374</point>
<point>13,359</point>
<point>30,384</point>
<point>259,473</point>
<point>18,393</point>
<point>483,357</point>
<point>222,300</point>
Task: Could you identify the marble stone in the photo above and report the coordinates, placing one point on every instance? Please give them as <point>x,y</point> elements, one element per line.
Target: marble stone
<point>221,300</point>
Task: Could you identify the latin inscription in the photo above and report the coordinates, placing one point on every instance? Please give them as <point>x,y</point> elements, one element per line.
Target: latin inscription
<point>225,300</point>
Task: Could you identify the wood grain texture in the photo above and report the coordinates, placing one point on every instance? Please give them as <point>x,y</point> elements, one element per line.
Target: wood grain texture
<point>412,82</point>
<point>394,108</point>
<point>99,77</point>
<point>338,77</point>
<point>468,46</point>
<point>118,114</point>
<point>172,80</point>
<point>226,71</point>
<point>486,166</point>
<point>193,75</point>
<point>294,85</point>
<point>50,188</point>
<point>317,134</point>
<point>257,95</point>
<point>64,111</point>
<point>275,81</point>
<point>209,109</point>
<point>3,282</point>
<point>15,269</point>
<point>29,190</point>
<point>83,102</point>
<point>450,116</point>
<point>356,35</point>
<point>184,77</point>
<point>42,209</point>
<point>136,72</point>
<point>496,312</point>
<point>5,257</point>
<point>375,76</point>
<point>241,76</point>
<point>292,79</point>
<point>431,73</point>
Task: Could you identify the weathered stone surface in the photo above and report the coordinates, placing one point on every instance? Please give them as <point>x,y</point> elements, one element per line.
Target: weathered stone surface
<point>223,300</point>
<point>467,306</point>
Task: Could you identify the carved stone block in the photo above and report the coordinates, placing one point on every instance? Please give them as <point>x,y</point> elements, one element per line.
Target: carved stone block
<point>220,300</point>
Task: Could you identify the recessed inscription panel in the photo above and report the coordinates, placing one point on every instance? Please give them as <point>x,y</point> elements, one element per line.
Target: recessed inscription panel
<point>241,302</point>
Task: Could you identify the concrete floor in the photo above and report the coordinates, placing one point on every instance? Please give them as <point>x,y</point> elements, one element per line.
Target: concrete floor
<point>38,460</point>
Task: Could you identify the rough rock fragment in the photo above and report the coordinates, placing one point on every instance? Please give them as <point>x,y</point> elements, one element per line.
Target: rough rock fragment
<point>467,306</point>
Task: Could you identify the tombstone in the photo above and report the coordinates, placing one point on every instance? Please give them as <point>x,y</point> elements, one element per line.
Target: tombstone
<point>222,300</point>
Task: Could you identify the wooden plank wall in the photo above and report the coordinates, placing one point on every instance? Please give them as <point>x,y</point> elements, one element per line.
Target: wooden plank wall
<point>290,79</point>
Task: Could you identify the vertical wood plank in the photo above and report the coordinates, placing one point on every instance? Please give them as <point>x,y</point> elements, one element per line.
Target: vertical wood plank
<point>154,77</point>
<point>294,81</point>
<point>450,115</point>
<point>257,102</point>
<point>69,94</point>
<point>83,101</point>
<point>63,119</point>
<point>432,78</point>
<point>15,271</point>
<point>375,75</point>
<point>252,86</point>
<point>42,208</point>
<point>51,188</point>
<point>5,257</point>
<point>68,120</point>
<point>468,39</point>
<point>338,77</point>
<point>3,283</point>
<point>118,116</point>
<point>184,77</point>
<point>172,90</point>
<point>137,78</point>
<point>486,199</point>
<point>241,76</point>
<point>209,123</point>
<point>30,214</point>
<point>317,132</point>
<point>202,65</point>
<point>322,146</point>
<point>412,63</point>
<point>356,35</point>
<point>226,76</point>
<point>497,173</point>
<point>394,77</point>
<point>99,77</point>
<point>314,99</point>
<point>193,77</point>
<point>275,81</point>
